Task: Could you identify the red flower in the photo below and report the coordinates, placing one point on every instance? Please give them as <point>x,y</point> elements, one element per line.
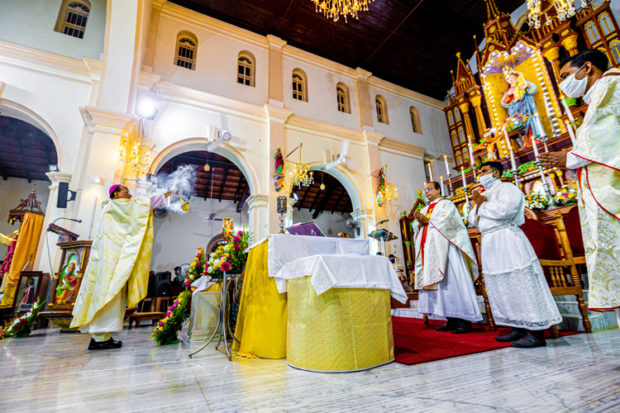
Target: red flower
<point>237,247</point>
<point>226,266</point>
<point>236,238</point>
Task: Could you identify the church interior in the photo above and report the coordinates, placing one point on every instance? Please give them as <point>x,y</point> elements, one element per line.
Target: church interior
<point>288,147</point>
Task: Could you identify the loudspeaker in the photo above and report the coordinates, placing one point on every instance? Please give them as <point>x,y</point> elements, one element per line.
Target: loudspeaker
<point>160,285</point>
<point>64,195</point>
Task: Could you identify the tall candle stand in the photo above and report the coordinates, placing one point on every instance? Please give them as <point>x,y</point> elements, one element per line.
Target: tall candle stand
<point>450,184</point>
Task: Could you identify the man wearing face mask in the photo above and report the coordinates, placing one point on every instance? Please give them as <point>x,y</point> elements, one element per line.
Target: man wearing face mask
<point>596,158</point>
<point>445,264</point>
<point>518,292</point>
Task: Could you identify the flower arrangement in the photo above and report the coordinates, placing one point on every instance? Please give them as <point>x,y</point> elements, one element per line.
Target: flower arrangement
<point>230,257</point>
<point>515,122</point>
<point>22,326</point>
<point>537,202</point>
<point>567,195</point>
<point>196,268</point>
<point>167,327</point>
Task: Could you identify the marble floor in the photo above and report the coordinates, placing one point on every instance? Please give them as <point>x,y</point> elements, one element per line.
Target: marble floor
<point>50,371</point>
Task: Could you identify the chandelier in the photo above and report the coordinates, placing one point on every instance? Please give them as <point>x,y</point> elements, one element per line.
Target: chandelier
<point>135,155</point>
<point>386,192</point>
<point>565,9</point>
<point>333,9</point>
<point>301,175</point>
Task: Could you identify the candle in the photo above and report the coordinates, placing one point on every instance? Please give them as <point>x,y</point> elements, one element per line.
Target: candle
<point>535,147</point>
<point>512,155</point>
<point>568,112</point>
<point>540,124</point>
<point>441,184</point>
<point>570,132</point>
<point>445,159</point>
<point>430,171</point>
<point>471,152</point>
<point>464,180</point>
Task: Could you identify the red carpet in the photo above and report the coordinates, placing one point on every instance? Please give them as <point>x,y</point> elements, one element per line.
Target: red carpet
<point>416,342</point>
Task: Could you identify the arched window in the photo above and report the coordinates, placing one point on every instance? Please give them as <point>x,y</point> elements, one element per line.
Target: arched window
<point>300,87</point>
<point>416,125</point>
<point>187,45</point>
<point>450,118</point>
<point>457,114</point>
<point>245,68</point>
<point>465,156</point>
<point>382,115</point>
<point>342,94</point>
<point>461,135</point>
<point>454,141</point>
<point>592,33</point>
<point>72,18</point>
<point>457,158</point>
<point>606,24</point>
<point>614,46</point>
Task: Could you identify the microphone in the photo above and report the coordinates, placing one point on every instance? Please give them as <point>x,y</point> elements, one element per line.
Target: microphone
<point>68,219</point>
<point>382,222</point>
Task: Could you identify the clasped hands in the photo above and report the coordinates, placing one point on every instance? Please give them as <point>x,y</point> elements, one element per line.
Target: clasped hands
<point>554,159</point>
<point>421,218</point>
<point>478,198</point>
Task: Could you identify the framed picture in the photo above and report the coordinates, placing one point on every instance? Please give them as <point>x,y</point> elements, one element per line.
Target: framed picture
<point>69,276</point>
<point>28,289</point>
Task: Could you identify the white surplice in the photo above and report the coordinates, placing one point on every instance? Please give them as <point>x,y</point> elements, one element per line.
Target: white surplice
<point>518,291</point>
<point>444,276</point>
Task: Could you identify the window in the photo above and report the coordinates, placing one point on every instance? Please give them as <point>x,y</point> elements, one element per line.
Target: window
<point>454,141</point>
<point>186,50</point>
<point>592,33</point>
<point>614,46</point>
<point>300,88</point>
<point>415,120</point>
<point>457,114</point>
<point>606,24</point>
<point>72,18</point>
<point>450,118</point>
<point>465,156</point>
<point>381,105</point>
<point>245,68</point>
<point>461,135</point>
<point>342,94</point>
<point>457,157</point>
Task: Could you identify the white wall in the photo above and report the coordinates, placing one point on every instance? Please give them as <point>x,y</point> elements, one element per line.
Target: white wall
<point>12,191</point>
<point>330,223</point>
<point>31,23</point>
<point>178,236</point>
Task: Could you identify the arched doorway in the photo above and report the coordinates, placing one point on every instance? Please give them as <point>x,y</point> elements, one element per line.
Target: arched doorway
<point>27,154</point>
<point>220,191</point>
<point>327,203</point>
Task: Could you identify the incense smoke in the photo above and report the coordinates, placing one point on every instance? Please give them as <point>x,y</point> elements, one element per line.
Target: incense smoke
<point>180,183</point>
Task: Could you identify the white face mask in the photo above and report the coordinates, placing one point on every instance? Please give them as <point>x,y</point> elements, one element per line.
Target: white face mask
<point>573,87</point>
<point>487,180</point>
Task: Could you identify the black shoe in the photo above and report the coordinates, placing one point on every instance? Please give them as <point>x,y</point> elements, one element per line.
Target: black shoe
<point>514,335</point>
<point>104,345</point>
<point>530,340</point>
<point>462,327</point>
<point>449,326</point>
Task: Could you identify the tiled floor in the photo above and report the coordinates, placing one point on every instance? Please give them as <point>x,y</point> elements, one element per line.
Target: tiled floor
<point>50,371</point>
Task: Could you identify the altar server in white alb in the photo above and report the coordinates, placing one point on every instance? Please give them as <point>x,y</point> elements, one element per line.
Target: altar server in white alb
<point>515,282</point>
<point>445,264</point>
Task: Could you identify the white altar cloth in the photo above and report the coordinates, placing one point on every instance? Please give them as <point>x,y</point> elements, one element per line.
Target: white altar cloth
<point>284,248</point>
<point>343,271</point>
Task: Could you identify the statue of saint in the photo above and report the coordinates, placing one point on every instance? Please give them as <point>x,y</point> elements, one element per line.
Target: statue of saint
<point>519,102</point>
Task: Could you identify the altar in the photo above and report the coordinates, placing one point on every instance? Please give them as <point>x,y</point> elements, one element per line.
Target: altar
<point>263,314</point>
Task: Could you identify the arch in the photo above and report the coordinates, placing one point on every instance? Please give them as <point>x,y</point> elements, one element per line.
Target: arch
<point>455,143</point>
<point>457,115</point>
<point>382,110</point>
<point>606,24</point>
<point>592,32</point>
<point>200,144</point>
<point>186,50</point>
<point>614,47</point>
<point>15,110</point>
<point>246,68</point>
<point>300,85</point>
<point>342,96</point>
<point>72,18</point>
<point>450,118</point>
<point>348,182</point>
<point>416,124</point>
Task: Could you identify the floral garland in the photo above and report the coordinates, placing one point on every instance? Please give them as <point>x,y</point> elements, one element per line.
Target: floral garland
<point>230,257</point>
<point>196,268</point>
<point>168,327</point>
<point>22,326</point>
<point>567,195</point>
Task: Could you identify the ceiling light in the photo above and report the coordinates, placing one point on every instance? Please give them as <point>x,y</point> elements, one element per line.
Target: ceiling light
<point>147,107</point>
<point>333,9</point>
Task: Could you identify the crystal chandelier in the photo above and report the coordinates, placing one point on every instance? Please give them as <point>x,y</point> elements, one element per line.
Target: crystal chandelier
<point>301,175</point>
<point>565,9</point>
<point>333,9</point>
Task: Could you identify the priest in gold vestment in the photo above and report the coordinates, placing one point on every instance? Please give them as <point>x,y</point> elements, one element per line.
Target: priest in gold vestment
<point>596,158</point>
<point>118,270</point>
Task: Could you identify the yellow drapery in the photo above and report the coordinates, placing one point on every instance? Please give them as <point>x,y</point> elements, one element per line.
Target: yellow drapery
<point>25,251</point>
<point>261,324</point>
<point>121,255</point>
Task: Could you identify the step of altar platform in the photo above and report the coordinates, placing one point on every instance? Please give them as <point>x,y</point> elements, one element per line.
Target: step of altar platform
<point>412,311</point>
<point>571,316</point>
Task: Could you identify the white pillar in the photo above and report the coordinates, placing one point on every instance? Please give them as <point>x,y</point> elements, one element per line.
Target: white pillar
<point>258,214</point>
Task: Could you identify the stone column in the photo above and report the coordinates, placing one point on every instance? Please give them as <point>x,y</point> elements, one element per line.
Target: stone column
<point>276,96</point>
<point>258,214</point>
<point>570,43</point>
<point>373,139</point>
<point>552,54</point>
<point>464,107</point>
<point>476,101</point>
<point>363,97</point>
